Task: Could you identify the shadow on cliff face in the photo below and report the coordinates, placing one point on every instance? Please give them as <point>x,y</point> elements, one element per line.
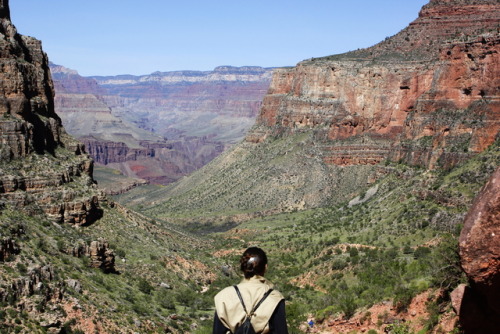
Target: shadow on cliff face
<point>474,313</point>
<point>43,138</point>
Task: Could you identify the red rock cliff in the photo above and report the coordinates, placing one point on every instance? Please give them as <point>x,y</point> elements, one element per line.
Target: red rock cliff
<point>42,169</point>
<point>428,95</point>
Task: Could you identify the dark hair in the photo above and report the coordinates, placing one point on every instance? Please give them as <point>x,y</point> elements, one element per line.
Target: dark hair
<point>253,262</point>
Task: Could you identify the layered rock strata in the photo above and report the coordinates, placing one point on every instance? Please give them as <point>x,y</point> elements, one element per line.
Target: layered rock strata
<point>39,280</point>
<point>40,166</point>
<point>85,109</point>
<point>428,95</point>
<point>222,103</point>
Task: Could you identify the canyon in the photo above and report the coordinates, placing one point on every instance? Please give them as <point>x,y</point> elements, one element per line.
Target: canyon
<point>427,96</point>
<point>163,126</point>
<point>58,232</point>
<point>356,178</point>
<point>32,138</point>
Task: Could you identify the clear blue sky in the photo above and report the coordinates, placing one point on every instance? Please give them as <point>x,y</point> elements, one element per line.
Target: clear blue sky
<point>110,37</point>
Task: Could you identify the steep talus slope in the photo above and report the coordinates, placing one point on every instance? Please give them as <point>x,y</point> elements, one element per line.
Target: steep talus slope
<point>427,96</point>
<point>70,260</point>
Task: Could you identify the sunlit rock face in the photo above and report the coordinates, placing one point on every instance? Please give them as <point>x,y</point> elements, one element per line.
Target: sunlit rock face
<point>42,169</point>
<point>427,96</point>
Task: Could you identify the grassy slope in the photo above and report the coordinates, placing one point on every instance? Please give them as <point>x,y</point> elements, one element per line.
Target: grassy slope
<point>149,253</point>
<point>397,241</point>
<point>327,261</point>
<point>332,259</point>
<point>113,181</point>
<point>253,179</point>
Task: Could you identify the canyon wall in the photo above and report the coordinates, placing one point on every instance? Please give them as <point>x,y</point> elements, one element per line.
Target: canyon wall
<point>427,96</point>
<point>162,126</point>
<point>331,126</point>
<point>42,169</point>
<point>222,103</point>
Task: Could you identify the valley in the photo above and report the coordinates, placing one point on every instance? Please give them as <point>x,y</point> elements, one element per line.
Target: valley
<point>370,178</point>
<point>163,126</point>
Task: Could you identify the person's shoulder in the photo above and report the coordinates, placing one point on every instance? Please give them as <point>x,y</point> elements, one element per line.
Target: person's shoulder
<point>227,291</point>
<point>276,294</point>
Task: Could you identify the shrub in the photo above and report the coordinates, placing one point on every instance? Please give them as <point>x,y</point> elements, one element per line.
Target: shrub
<point>144,286</point>
<point>398,328</point>
<point>120,252</point>
<point>166,299</point>
<point>186,297</point>
<point>421,252</point>
<point>348,305</point>
<point>353,252</point>
<point>445,263</point>
<point>402,299</point>
<point>22,268</point>
<point>338,264</point>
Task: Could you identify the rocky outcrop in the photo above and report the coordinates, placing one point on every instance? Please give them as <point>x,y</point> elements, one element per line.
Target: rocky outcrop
<point>28,121</point>
<point>101,256</point>
<point>41,167</point>
<point>479,304</point>
<point>154,162</point>
<point>105,152</point>
<point>99,253</point>
<point>38,280</point>
<point>427,96</point>
<point>8,247</point>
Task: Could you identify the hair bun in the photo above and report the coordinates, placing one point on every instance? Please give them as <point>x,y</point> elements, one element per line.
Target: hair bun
<point>253,262</point>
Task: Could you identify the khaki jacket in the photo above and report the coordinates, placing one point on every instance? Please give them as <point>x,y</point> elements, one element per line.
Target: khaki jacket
<point>230,311</point>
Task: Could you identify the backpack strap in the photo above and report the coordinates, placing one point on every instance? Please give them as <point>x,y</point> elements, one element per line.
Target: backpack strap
<point>268,292</point>
<point>241,299</point>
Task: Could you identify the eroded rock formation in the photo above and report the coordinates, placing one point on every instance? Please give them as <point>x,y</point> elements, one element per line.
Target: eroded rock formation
<point>98,251</point>
<point>39,161</point>
<point>103,115</point>
<point>8,247</point>
<point>427,96</point>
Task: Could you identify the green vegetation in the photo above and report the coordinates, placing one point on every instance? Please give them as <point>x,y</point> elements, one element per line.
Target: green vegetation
<point>402,241</point>
<point>398,240</point>
<point>236,184</point>
<point>148,288</point>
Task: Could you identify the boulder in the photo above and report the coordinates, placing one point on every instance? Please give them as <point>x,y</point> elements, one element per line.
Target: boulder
<point>479,304</point>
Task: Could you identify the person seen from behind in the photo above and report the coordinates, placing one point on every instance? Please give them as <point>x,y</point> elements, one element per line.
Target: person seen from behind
<point>269,317</point>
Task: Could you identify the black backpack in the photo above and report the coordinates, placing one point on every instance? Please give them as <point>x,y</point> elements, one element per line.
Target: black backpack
<point>246,327</point>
